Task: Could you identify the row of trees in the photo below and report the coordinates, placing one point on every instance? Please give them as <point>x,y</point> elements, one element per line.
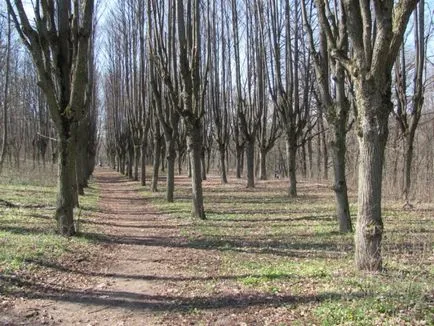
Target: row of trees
<point>187,79</point>
<point>255,70</point>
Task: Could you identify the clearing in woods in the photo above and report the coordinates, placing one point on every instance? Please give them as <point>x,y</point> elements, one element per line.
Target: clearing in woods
<point>260,259</point>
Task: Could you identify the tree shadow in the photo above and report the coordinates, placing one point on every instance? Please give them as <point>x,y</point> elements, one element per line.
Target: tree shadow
<point>143,301</point>
<point>266,245</point>
<point>24,230</point>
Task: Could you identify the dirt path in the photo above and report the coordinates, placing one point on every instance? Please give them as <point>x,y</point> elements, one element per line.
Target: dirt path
<point>141,266</point>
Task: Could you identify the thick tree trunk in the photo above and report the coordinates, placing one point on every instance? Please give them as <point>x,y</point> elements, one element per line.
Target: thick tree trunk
<point>194,142</point>
<point>250,162</point>
<point>291,151</point>
<point>171,157</point>
<point>65,194</point>
<point>373,131</point>
<point>340,186</point>
<point>223,176</point>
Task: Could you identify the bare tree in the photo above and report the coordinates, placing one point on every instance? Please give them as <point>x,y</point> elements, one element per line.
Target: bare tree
<point>409,112</point>
<point>59,45</point>
<point>6,94</point>
<point>285,85</point>
<point>335,102</point>
<point>163,54</point>
<point>193,86</point>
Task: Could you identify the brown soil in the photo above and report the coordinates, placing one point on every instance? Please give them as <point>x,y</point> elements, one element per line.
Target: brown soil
<point>136,275</point>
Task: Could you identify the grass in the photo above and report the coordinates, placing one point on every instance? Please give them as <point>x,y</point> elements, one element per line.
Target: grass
<point>27,232</point>
<point>277,246</point>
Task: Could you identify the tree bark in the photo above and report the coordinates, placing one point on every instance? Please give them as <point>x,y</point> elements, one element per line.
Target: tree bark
<point>263,163</point>
<point>291,152</point>
<point>171,157</point>
<point>408,160</point>
<point>250,161</point>
<point>222,152</point>
<point>136,162</point>
<point>6,96</point>
<point>203,163</point>
<point>156,163</point>
<point>340,184</point>
<point>240,160</point>
<point>143,164</point>
<point>372,134</point>
<point>65,194</point>
<point>194,143</point>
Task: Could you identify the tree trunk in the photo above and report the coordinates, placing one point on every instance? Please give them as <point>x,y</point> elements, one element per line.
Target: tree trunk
<point>223,176</point>
<point>65,195</point>
<point>240,162</point>
<point>250,161</point>
<point>156,163</point>
<point>6,96</point>
<point>340,187</point>
<point>203,163</point>
<point>325,152</point>
<point>80,172</point>
<point>208,160</point>
<point>310,154</point>
<point>373,130</point>
<point>179,164</point>
<point>194,143</point>
<point>171,157</point>
<point>81,158</point>
<point>291,151</point>
<point>130,162</point>
<point>263,163</point>
<point>136,162</point>
<point>143,164</point>
<point>303,161</point>
<point>409,144</point>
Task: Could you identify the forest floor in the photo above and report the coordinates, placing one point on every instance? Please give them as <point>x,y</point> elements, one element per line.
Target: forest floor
<point>258,260</point>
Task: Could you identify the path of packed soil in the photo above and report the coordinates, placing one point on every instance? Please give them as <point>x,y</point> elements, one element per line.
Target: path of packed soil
<point>133,279</point>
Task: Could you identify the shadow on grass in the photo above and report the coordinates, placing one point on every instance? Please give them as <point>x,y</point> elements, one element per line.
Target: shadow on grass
<point>276,246</point>
<point>326,217</point>
<point>145,277</point>
<point>140,301</point>
<point>38,216</point>
<point>25,231</point>
<point>134,226</point>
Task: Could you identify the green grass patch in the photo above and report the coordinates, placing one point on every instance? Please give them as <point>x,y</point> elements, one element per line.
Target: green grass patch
<point>277,246</point>
<point>27,231</point>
